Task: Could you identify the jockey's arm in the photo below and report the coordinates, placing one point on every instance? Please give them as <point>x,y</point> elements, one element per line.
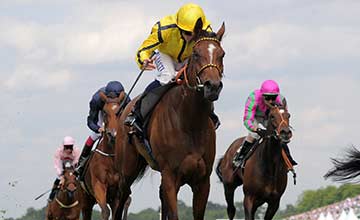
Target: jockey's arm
<point>93,117</point>
<point>148,46</point>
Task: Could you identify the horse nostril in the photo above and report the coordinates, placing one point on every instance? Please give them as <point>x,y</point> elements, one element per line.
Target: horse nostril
<point>213,86</point>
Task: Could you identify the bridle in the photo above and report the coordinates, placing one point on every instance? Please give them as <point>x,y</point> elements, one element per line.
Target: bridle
<point>199,84</point>
<point>65,189</point>
<point>276,134</point>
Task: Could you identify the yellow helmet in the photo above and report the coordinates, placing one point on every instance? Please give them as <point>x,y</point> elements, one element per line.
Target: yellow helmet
<point>188,15</point>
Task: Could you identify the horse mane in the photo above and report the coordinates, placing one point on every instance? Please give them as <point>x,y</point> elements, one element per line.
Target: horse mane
<point>347,168</point>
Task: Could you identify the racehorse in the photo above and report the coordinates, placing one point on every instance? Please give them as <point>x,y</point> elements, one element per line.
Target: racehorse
<point>68,200</point>
<point>264,176</point>
<point>180,132</point>
<point>100,177</point>
<point>345,169</point>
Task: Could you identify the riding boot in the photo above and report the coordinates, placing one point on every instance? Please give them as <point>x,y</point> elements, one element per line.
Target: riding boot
<point>54,190</point>
<point>83,158</point>
<point>241,153</point>
<point>287,151</point>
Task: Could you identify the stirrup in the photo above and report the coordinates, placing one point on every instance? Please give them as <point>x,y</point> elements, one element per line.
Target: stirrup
<point>130,120</point>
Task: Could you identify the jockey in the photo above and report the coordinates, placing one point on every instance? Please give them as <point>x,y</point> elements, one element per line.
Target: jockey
<point>171,39</point>
<point>255,118</point>
<point>67,151</point>
<point>95,118</point>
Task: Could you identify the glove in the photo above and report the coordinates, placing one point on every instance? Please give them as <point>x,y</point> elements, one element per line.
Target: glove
<point>261,132</point>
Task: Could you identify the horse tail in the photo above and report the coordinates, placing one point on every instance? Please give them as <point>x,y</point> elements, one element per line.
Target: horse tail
<point>347,168</point>
<point>218,170</point>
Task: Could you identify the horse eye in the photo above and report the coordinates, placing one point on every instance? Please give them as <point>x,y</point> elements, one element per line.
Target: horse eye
<point>289,115</point>
<point>195,55</point>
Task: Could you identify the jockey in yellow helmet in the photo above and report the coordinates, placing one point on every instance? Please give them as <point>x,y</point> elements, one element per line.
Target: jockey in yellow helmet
<point>172,40</point>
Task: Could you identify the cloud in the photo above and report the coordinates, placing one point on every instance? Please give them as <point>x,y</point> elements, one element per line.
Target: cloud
<point>278,44</point>
<point>30,77</point>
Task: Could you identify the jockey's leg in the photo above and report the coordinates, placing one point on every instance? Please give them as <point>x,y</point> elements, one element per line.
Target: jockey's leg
<point>54,189</point>
<point>166,73</point>
<point>135,118</point>
<point>287,151</point>
<point>86,152</point>
<point>244,149</point>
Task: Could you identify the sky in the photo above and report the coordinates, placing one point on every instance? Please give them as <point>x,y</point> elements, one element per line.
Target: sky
<point>56,54</point>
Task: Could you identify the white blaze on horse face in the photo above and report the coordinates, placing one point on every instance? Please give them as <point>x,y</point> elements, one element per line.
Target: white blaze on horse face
<point>113,107</point>
<point>281,111</point>
<point>211,48</point>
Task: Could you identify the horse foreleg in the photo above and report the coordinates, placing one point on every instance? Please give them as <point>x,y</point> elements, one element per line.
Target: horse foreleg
<point>170,190</point>
<point>100,196</point>
<point>200,198</point>
<point>249,207</point>
<point>88,205</point>
<point>164,208</point>
<point>229,196</point>
<point>271,210</point>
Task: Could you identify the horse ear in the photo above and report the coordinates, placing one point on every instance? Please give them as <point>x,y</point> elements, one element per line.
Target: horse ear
<point>221,32</point>
<point>284,103</point>
<point>103,97</point>
<point>121,97</point>
<point>198,28</point>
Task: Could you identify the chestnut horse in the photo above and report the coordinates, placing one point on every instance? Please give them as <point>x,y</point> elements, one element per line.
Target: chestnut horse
<point>100,177</point>
<point>345,169</point>
<point>180,132</point>
<point>68,200</point>
<point>264,177</point>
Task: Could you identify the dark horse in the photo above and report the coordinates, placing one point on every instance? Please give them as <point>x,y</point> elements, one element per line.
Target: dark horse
<point>346,169</point>
<point>100,177</point>
<point>180,131</point>
<point>264,177</point>
<point>68,200</point>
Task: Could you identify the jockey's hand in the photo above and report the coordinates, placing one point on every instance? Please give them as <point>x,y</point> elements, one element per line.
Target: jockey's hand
<point>149,64</point>
<point>101,130</point>
<point>261,132</point>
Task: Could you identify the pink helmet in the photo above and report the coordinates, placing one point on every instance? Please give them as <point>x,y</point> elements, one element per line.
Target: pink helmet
<point>269,87</point>
<point>68,140</point>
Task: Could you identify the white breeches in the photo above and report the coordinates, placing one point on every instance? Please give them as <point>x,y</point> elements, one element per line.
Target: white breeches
<point>94,136</point>
<point>167,68</point>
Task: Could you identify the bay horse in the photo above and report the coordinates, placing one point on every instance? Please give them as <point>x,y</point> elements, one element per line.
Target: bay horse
<point>100,178</point>
<point>67,204</point>
<point>345,169</point>
<point>264,176</point>
<point>180,132</point>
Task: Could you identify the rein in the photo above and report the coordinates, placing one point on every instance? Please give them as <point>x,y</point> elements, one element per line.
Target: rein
<point>183,71</point>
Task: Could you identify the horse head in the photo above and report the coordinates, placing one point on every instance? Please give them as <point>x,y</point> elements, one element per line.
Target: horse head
<point>70,182</point>
<point>205,66</point>
<point>279,122</point>
<point>110,110</point>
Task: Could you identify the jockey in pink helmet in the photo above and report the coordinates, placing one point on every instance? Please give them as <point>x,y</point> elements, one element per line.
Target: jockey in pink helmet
<point>255,117</point>
<point>66,152</point>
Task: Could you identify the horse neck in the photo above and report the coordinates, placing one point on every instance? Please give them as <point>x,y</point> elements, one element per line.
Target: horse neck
<point>270,155</point>
<point>193,109</point>
<point>104,145</point>
<point>64,197</point>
